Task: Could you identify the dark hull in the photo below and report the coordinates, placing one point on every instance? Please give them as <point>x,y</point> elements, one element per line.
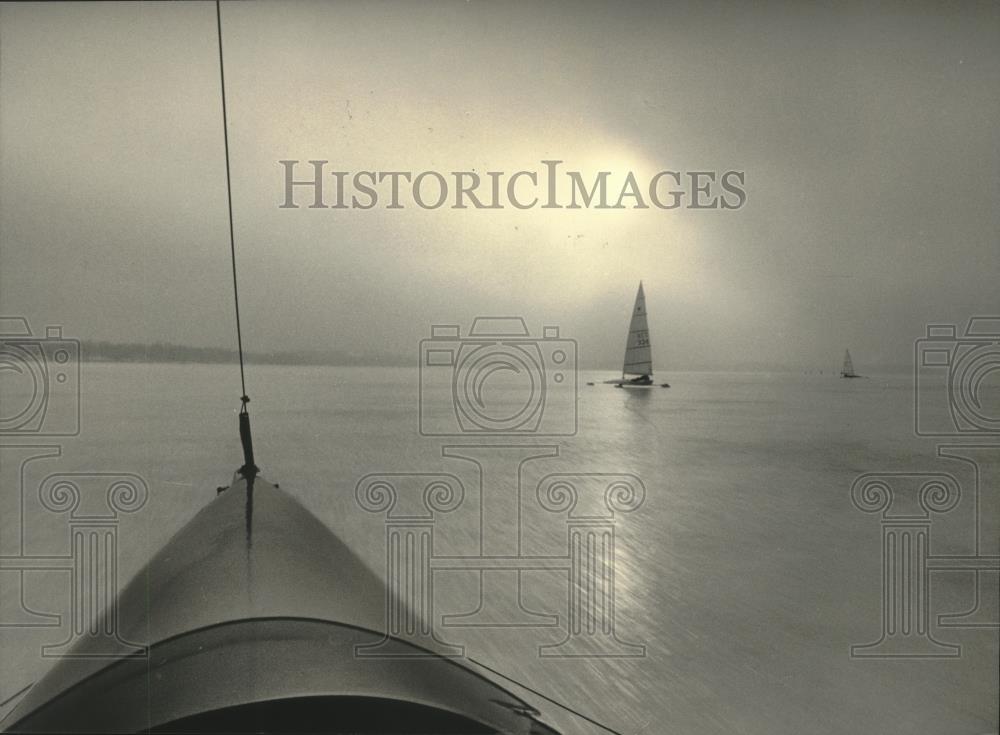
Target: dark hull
<point>643,381</point>
<point>251,615</point>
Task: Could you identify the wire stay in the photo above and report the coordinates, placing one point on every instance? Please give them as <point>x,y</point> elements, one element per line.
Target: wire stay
<point>249,469</point>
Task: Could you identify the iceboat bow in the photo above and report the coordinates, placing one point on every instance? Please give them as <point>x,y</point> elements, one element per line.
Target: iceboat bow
<point>247,620</point>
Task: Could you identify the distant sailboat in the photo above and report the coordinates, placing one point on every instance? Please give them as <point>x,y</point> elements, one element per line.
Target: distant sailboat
<point>848,370</point>
<point>638,350</point>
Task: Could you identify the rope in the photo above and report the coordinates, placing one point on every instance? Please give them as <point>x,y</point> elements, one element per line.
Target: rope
<point>229,198</point>
<point>249,470</point>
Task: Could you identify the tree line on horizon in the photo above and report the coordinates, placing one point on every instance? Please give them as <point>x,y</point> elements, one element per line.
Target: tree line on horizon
<point>99,351</point>
<point>102,351</point>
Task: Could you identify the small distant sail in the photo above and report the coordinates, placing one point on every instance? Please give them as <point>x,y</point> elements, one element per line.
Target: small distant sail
<point>848,370</point>
<point>638,352</point>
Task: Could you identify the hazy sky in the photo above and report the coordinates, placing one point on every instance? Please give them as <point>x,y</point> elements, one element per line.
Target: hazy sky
<point>868,135</point>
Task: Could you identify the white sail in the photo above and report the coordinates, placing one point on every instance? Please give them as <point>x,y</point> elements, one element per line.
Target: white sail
<point>848,370</point>
<point>638,353</point>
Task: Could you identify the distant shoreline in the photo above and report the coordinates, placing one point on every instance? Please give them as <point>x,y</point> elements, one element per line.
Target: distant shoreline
<point>165,353</point>
<point>159,352</point>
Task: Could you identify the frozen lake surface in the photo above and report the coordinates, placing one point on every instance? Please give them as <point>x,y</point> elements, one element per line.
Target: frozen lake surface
<point>747,573</point>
